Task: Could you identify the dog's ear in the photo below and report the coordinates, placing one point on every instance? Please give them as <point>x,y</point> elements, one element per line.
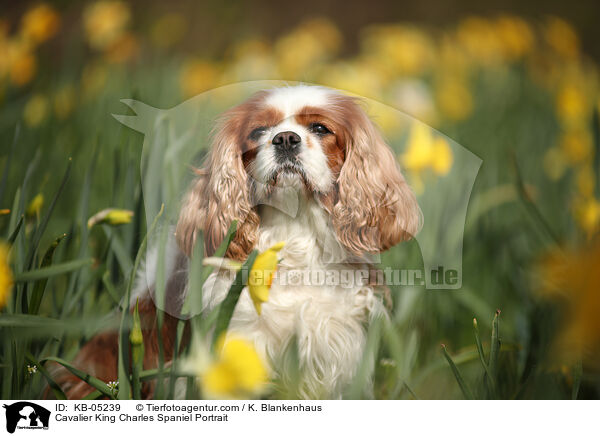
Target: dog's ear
<point>219,195</point>
<point>376,208</point>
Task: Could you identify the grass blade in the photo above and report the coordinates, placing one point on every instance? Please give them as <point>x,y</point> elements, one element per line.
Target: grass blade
<point>44,222</point>
<point>457,375</point>
<point>124,386</point>
<point>50,271</point>
<point>56,390</point>
<point>40,286</point>
<point>89,379</point>
<point>136,339</point>
<point>489,379</point>
<point>495,347</point>
<point>228,305</point>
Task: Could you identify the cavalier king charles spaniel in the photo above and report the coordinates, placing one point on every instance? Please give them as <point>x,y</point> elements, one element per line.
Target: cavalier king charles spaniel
<point>304,165</point>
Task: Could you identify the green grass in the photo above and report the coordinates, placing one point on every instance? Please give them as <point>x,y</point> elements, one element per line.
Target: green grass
<point>70,280</point>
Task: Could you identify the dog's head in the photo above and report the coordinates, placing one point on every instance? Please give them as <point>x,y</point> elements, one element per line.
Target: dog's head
<point>317,142</point>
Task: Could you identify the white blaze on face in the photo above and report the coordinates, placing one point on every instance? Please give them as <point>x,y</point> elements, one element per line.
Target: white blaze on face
<point>310,158</point>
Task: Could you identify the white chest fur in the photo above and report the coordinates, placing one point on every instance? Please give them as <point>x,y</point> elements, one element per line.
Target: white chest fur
<point>328,318</point>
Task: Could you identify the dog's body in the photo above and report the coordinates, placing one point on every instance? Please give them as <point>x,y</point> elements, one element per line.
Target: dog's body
<point>303,165</point>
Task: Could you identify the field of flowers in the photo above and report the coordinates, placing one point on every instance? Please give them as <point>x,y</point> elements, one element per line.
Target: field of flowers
<point>519,94</point>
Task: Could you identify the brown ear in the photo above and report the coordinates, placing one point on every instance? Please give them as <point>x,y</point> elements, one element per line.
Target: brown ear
<point>376,208</point>
<point>219,195</point>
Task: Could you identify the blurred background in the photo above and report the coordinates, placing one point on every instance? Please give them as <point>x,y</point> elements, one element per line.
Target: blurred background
<point>516,83</point>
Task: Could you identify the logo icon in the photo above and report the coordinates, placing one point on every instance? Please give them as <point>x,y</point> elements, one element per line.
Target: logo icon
<point>26,415</point>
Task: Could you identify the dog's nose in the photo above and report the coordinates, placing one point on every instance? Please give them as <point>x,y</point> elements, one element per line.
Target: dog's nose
<point>287,142</point>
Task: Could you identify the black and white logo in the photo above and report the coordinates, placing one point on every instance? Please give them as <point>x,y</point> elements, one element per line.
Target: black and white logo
<point>26,415</point>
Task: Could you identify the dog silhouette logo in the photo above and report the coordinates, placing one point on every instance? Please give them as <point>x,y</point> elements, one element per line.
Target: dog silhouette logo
<point>26,415</point>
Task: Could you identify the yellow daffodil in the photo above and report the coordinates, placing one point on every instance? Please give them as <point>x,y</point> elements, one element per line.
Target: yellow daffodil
<point>312,42</point>
<point>21,62</point>
<point>454,97</point>
<point>561,37</point>
<point>40,24</point>
<point>197,76</point>
<point>6,276</point>
<point>235,372</point>
<point>261,275</point>
<point>587,215</point>
<point>400,49</point>
<point>35,206</point>
<point>572,278</point>
<point>515,35</point>
<point>36,110</point>
<point>576,145</point>
<point>112,217</point>
<point>424,150</point>
<point>105,22</point>
<point>571,104</point>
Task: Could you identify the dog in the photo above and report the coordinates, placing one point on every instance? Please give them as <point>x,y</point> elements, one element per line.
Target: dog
<point>303,165</point>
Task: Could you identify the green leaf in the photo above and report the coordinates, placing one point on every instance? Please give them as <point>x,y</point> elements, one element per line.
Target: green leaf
<point>123,364</point>
<point>44,273</point>
<point>40,286</point>
<point>495,347</point>
<point>228,305</point>
<point>56,390</point>
<point>89,379</point>
<point>44,222</point>
<point>489,379</point>
<point>457,375</point>
<point>136,339</point>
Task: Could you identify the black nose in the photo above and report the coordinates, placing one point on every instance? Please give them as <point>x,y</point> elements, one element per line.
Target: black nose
<point>287,143</point>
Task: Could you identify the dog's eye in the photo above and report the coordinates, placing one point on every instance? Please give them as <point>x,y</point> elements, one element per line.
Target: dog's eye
<point>257,133</point>
<point>319,129</point>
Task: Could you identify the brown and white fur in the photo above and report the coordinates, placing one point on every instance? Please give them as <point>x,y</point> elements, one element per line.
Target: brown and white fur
<point>349,200</point>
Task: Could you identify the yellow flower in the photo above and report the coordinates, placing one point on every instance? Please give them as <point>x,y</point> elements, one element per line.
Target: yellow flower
<point>112,217</point>
<point>399,49</point>
<point>238,371</point>
<point>356,77</point>
<point>454,98</point>
<point>572,278</point>
<point>576,145</point>
<point>561,37</point>
<point>35,110</point>
<point>587,215</point>
<point>35,206</point>
<point>122,49</point>
<point>21,63</point>
<point>571,104</point>
<point>310,43</point>
<point>515,35</point>
<point>6,276</point>
<point>105,22</point>
<point>424,150</point>
<point>442,157</point>
<point>585,181</point>
<point>478,37</point>
<point>40,24</point>
<point>261,274</point>
<point>251,60</point>
<point>198,76</point>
